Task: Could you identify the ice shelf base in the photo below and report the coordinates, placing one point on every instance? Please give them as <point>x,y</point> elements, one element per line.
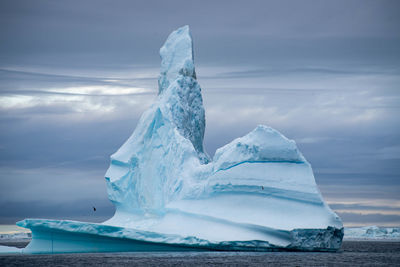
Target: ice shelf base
<point>61,236</point>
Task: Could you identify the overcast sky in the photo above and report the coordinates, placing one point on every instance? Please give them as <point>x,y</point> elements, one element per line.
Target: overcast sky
<point>75,76</point>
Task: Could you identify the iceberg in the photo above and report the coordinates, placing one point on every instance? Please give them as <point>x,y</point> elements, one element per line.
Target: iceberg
<point>15,236</point>
<point>257,193</point>
<point>372,233</point>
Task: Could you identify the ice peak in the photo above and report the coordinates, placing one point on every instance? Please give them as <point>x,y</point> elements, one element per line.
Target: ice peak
<point>263,144</point>
<point>176,58</point>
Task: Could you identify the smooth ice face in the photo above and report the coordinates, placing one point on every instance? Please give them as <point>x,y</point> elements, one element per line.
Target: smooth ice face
<point>258,193</point>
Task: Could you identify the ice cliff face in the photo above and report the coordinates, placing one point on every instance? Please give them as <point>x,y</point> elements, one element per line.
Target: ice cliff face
<point>258,192</point>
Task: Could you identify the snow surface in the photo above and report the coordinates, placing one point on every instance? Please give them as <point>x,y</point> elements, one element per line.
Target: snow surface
<point>257,192</point>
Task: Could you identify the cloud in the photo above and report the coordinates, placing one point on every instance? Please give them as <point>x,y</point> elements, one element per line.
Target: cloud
<point>362,209</point>
<point>61,191</point>
<point>388,153</point>
<point>75,80</point>
<point>81,210</point>
<point>358,219</point>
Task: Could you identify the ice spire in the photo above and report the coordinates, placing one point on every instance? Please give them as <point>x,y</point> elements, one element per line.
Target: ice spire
<point>178,77</point>
<point>176,58</point>
<point>147,171</point>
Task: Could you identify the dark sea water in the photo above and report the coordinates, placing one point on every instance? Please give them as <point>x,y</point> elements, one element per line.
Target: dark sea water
<point>352,253</point>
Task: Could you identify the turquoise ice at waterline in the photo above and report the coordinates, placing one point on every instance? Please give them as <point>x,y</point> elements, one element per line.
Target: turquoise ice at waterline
<point>258,193</point>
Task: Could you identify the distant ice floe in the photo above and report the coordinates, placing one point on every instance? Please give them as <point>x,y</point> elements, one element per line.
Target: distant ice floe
<point>372,233</point>
<point>15,236</point>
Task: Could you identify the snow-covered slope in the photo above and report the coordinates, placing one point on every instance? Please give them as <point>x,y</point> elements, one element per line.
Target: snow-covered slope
<point>257,193</point>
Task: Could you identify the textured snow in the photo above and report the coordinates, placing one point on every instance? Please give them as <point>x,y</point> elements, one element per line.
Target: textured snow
<point>372,233</point>
<point>257,193</point>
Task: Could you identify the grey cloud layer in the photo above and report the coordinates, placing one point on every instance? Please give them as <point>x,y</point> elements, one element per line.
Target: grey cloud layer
<point>76,76</point>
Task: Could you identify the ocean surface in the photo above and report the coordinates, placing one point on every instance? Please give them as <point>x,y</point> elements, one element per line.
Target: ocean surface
<point>352,253</point>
